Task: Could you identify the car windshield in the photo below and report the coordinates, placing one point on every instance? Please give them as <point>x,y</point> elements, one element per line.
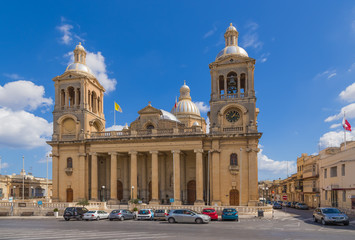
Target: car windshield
<point>115,211</point>
<point>331,210</point>
<point>229,210</point>
<point>91,211</point>
<point>209,210</point>
<point>144,212</point>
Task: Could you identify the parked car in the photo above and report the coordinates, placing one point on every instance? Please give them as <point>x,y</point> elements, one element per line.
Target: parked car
<point>330,215</point>
<point>187,216</point>
<point>74,212</point>
<point>121,215</point>
<point>288,204</point>
<point>160,214</point>
<point>293,204</point>
<point>95,215</point>
<point>268,202</point>
<point>210,212</point>
<point>284,204</point>
<point>229,214</point>
<point>302,206</point>
<point>277,206</point>
<point>145,214</point>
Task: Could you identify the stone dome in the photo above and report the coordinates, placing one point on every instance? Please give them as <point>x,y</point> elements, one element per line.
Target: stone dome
<point>79,67</point>
<point>185,106</point>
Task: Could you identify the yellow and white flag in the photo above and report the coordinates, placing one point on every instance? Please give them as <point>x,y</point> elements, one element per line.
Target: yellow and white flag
<point>117,107</point>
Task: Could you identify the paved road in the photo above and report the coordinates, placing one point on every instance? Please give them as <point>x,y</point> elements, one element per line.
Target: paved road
<point>295,225</point>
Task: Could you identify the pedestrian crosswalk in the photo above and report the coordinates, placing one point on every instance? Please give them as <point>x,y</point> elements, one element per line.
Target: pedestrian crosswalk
<point>52,234</point>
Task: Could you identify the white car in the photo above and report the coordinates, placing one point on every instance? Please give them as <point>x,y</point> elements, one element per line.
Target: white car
<point>145,214</point>
<point>95,215</point>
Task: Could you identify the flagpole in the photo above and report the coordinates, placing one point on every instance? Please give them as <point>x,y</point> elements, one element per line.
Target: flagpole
<point>344,132</point>
<point>114,116</point>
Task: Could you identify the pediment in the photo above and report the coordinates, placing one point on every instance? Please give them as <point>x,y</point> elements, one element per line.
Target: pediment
<point>149,110</point>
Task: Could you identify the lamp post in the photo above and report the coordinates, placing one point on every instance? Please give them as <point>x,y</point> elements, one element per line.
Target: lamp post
<point>14,191</point>
<point>103,193</point>
<point>31,192</point>
<point>132,193</point>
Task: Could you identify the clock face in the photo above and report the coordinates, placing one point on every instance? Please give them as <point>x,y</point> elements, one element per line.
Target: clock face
<point>232,116</point>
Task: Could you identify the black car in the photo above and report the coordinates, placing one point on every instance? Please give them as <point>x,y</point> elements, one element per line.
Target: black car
<point>277,206</point>
<point>74,212</point>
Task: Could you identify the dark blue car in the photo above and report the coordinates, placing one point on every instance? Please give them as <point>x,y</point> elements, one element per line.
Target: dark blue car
<point>229,214</point>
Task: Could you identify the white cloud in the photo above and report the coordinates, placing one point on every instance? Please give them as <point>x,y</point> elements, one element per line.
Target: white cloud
<point>272,168</point>
<point>351,68</point>
<point>65,29</point>
<point>335,138</point>
<point>44,158</point>
<point>210,32</point>
<point>348,94</point>
<point>349,111</point>
<point>14,76</point>
<point>251,37</point>
<point>208,125</point>
<point>19,95</point>
<point>23,129</point>
<point>114,128</point>
<point>264,57</point>
<point>336,125</point>
<point>202,107</point>
<point>4,165</point>
<point>96,62</point>
<point>330,73</point>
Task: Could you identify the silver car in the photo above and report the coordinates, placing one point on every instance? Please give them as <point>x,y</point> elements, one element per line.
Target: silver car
<point>186,216</point>
<point>95,215</point>
<point>121,215</point>
<point>330,215</point>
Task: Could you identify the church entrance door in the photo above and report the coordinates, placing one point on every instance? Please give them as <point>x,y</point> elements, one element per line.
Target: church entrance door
<point>234,197</point>
<point>69,195</point>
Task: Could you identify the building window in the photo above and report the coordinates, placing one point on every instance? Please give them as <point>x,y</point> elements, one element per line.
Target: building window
<point>343,169</point>
<point>69,163</point>
<point>150,126</point>
<point>333,171</point>
<point>344,196</point>
<point>325,173</point>
<point>232,83</point>
<point>234,159</point>
<point>326,195</point>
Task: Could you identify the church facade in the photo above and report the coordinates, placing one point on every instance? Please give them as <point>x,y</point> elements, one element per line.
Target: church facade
<point>162,157</point>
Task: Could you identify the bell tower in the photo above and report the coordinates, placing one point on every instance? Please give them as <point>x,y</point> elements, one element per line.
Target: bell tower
<point>78,108</point>
<point>233,99</point>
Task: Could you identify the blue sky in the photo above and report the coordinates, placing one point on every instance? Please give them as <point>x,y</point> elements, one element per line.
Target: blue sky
<point>143,51</point>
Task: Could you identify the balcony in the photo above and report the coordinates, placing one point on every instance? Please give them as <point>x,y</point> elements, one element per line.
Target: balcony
<point>315,189</point>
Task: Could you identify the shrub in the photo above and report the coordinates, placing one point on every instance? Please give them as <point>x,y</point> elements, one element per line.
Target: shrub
<point>55,210</point>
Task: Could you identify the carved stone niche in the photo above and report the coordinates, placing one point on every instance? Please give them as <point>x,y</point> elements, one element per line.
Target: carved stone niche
<point>234,170</point>
<point>69,171</point>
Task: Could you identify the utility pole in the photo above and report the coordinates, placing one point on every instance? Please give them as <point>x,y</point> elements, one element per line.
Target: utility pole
<point>23,178</point>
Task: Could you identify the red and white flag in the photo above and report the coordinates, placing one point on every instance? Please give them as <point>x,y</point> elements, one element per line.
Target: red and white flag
<point>346,125</point>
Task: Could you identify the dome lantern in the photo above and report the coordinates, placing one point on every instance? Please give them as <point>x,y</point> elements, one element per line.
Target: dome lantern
<point>185,106</point>
<point>79,54</point>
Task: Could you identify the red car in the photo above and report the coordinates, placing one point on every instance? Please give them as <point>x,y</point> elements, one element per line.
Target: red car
<point>210,212</point>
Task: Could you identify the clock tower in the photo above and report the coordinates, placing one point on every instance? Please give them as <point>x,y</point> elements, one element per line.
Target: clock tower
<point>232,84</point>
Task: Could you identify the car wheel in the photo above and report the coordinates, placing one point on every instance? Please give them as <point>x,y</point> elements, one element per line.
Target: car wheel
<point>122,218</point>
<point>80,218</point>
<point>66,219</point>
<point>314,219</point>
<point>111,219</point>
<point>86,219</point>
<point>323,222</point>
<point>171,220</point>
<point>98,219</point>
<point>198,220</point>
<point>346,223</point>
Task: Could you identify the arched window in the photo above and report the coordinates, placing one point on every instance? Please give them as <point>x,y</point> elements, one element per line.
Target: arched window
<point>62,98</point>
<point>242,83</point>
<point>232,83</point>
<point>69,163</point>
<point>221,85</point>
<point>71,96</point>
<point>150,126</point>
<point>234,159</point>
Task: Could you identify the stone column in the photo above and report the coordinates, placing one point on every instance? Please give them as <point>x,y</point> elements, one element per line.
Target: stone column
<point>133,174</point>
<point>94,175</point>
<point>81,194</point>
<point>176,169</point>
<point>113,185</point>
<point>225,86</point>
<point>163,176</point>
<point>238,86</point>
<point>55,178</point>
<point>77,97</point>
<point>215,178</point>
<point>155,178</point>
<point>89,101</point>
<point>253,176</point>
<point>67,98</point>
<point>199,177</point>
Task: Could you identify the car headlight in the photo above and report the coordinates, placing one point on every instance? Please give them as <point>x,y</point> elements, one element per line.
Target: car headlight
<point>326,218</point>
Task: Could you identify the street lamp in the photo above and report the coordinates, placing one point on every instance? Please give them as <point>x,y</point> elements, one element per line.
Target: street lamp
<point>103,193</point>
<point>132,193</point>
<point>14,191</point>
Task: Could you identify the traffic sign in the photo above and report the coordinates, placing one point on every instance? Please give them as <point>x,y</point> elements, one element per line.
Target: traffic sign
<point>39,202</point>
<point>171,200</point>
<point>284,197</point>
